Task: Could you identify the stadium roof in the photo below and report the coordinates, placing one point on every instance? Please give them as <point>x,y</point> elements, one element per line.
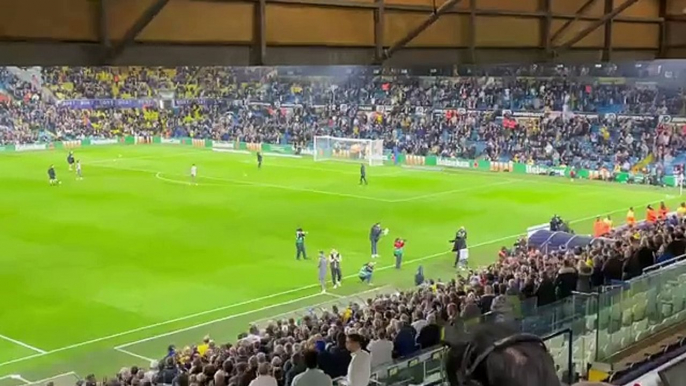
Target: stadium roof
<point>329,32</point>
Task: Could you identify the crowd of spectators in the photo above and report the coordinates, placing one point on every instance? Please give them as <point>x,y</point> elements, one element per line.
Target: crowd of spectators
<point>420,115</point>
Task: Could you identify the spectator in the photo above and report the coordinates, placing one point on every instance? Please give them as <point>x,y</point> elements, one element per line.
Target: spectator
<point>404,343</point>
<point>381,349</point>
<point>585,272</point>
<point>263,377</point>
<point>312,376</point>
<point>566,280</point>
<point>298,366</point>
<point>359,370</point>
<point>613,268</point>
<point>431,333</point>
<point>487,299</point>
<point>419,322</point>
<point>470,310</point>
<point>545,294</point>
<point>336,359</point>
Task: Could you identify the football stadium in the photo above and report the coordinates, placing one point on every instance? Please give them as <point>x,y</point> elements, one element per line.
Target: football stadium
<point>352,193</point>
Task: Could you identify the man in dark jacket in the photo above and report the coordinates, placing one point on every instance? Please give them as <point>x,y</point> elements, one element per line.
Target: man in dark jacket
<point>404,343</point>
<point>566,279</point>
<point>334,362</point>
<point>297,368</point>
<point>583,283</point>
<point>613,268</point>
<point>430,334</point>
<point>546,291</point>
<point>487,300</point>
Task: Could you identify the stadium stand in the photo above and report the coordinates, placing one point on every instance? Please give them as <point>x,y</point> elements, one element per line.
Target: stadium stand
<point>544,115</point>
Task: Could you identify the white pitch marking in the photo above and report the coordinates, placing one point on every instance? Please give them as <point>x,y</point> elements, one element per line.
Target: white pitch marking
<point>22,344</point>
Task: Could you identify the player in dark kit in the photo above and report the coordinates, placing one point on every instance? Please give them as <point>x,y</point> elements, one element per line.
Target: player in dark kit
<point>259,160</point>
<point>460,247</point>
<point>363,174</point>
<point>70,160</point>
<point>52,175</point>
<point>300,244</point>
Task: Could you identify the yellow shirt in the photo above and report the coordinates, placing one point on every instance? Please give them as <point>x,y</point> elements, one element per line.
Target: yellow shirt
<point>202,349</point>
<point>630,215</point>
<point>681,211</point>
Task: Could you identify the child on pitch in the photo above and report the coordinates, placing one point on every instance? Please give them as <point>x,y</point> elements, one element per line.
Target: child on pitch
<point>398,246</point>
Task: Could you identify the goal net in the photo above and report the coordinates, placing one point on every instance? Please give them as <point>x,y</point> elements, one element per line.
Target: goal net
<point>369,151</point>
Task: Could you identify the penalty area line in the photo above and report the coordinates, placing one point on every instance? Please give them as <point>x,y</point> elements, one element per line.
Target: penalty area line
<point>22,344</point>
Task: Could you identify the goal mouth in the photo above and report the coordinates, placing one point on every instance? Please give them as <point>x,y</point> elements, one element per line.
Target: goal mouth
<point>367,151</point>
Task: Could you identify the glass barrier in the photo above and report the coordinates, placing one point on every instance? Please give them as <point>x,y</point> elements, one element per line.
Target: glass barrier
<point>580,329</point>
<point>640,308</point>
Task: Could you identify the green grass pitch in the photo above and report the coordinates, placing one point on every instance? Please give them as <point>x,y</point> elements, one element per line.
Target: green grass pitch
<point>106,271</point>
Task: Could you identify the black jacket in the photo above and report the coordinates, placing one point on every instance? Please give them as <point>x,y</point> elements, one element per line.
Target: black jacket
<point>583,283</point>
<point>429,336</point>
<point>334,362</point>
<point>565,282</point>
<point>613,269</point>
<point>545,293</point>
<point>485,303</point>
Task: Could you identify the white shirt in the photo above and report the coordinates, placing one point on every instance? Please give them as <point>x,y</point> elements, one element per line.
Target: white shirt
<point>264,380</point>
<point>194,170</point>
<point>360,369</point>
<point>381,351</point>
<point>419,324</point>
<point>312,377</point>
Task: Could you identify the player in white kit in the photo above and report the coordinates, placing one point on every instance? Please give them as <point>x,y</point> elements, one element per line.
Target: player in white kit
<point>194,173</point>
<point>79,176</point>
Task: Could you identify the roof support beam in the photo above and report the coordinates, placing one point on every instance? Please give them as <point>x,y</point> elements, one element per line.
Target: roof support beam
<point>663,38</point>
<point>379,25</point>
<point>584,7</point>
<point>143,20</point>
<point>472,31</point>
<point>258,51</point>
<point>103,30</point>
<point>594,26</point>
<point>607,34</point>
<point>443,9</point>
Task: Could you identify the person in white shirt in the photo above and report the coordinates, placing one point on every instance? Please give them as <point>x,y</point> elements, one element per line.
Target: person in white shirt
<point>419,322</point>
<point>312,376</point>
<point>194,173</point>
<point>381,350</point>
<point>360,367</point>
<point>263,377</point>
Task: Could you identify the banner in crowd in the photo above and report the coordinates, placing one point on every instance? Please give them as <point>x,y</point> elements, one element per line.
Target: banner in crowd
<point>6,148</point>
<point>172,141</point>
<point>369,109</point>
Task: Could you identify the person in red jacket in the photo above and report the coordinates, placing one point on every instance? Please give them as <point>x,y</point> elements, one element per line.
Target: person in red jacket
<point>398,246</point>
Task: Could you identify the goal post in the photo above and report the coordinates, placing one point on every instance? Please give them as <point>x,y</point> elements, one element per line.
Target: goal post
<point>369,151</point>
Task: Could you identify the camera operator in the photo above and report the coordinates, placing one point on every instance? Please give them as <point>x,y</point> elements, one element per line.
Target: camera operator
<point>556,223</point>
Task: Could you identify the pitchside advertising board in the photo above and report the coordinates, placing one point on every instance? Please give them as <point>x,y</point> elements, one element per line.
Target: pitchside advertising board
<point>31,147</point>
<point>104,141</point>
